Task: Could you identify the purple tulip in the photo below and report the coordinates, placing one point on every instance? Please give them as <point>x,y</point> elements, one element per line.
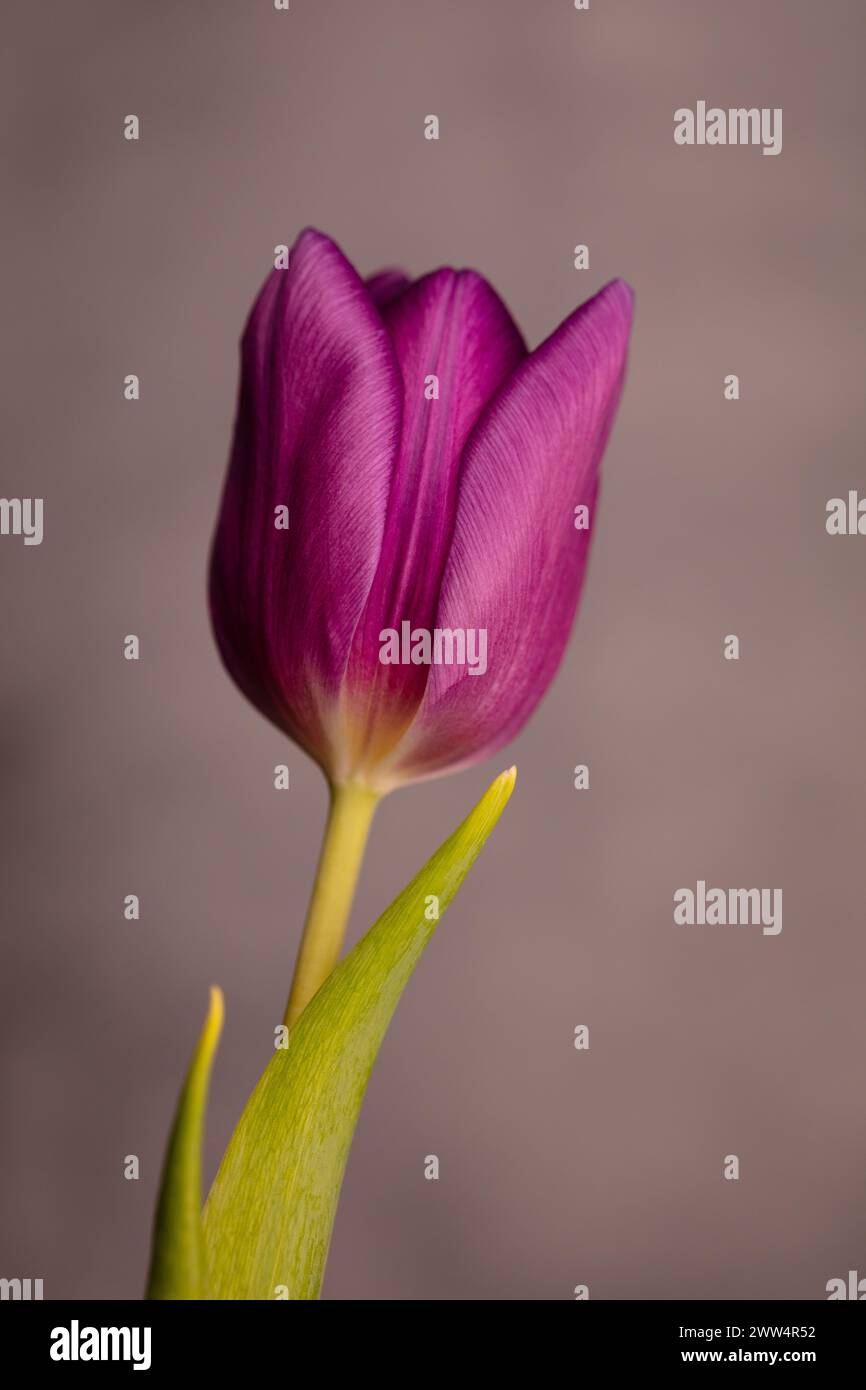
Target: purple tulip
<point>432,470</point>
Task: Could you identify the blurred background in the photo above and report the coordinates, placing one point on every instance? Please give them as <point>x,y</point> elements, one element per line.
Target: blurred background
<point>557,1167</point>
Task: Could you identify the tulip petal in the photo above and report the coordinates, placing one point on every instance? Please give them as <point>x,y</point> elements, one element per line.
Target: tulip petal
<point>317,431</point>
<point>517,561</point>
<point>385,285</point>
<point>456,343</point>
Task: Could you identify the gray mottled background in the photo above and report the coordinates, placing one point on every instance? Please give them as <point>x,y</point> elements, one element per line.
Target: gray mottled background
<point>557,1167</point>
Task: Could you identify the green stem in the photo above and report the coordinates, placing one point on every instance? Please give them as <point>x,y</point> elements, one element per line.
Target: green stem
<point>349,817</point>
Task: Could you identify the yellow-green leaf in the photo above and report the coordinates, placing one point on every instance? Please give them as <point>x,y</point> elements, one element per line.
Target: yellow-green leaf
<point>269,1216</point>
<point>177,1268</point>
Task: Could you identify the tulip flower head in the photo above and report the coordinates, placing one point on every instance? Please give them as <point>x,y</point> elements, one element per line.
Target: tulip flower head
<point>398,559</point>
<point>402,493</point>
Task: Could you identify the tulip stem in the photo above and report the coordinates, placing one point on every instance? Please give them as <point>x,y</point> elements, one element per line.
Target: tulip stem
<point>348,826</point>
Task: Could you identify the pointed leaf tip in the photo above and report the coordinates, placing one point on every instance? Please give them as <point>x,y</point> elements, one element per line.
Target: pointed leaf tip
<point>269,1216</point>
<point>177,1269</point>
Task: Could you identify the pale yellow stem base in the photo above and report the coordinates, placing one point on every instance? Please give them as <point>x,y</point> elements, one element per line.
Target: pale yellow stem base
<point>349,817</point>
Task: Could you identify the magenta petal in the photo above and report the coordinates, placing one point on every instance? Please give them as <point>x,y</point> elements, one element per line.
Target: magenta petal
<point>317,430</point>
<point>385,285</point>
<point>517,561</point>
<point>456,343</point>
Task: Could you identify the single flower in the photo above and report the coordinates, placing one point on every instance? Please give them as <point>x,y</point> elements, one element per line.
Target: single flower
<point>402,467</point>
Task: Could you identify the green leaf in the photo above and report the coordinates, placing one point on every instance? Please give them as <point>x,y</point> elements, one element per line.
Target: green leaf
<point>269,1216</point>
<point>177,1268</point>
